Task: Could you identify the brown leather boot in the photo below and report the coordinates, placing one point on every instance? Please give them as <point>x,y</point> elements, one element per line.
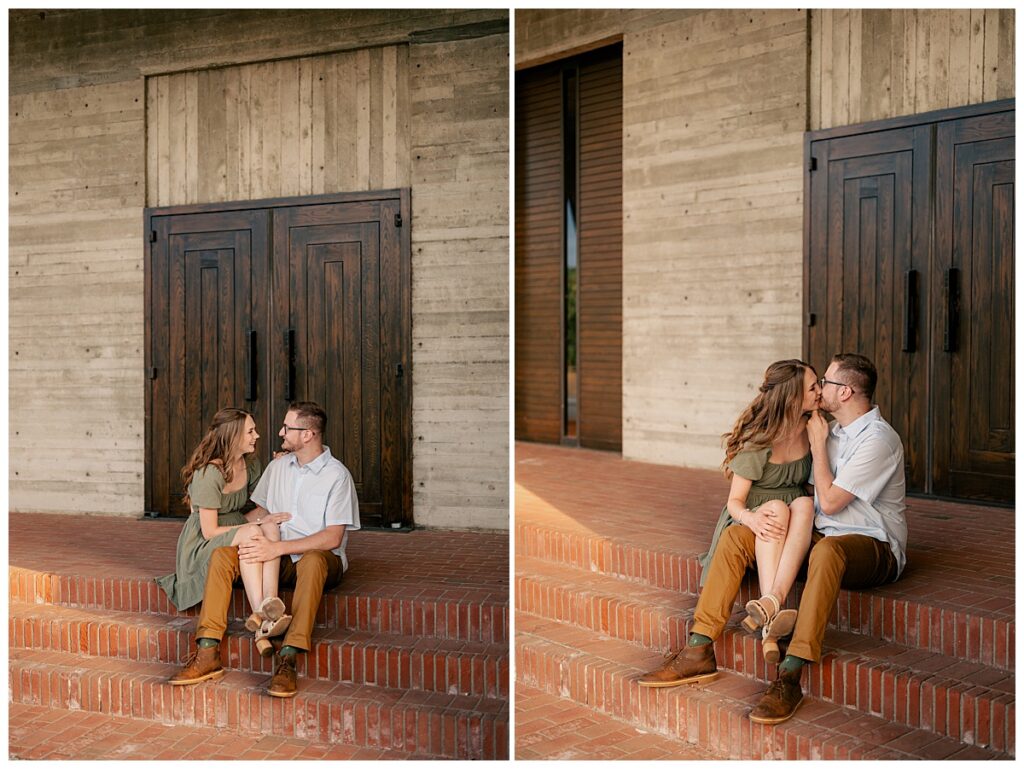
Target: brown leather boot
<point>202,664</point>
<point>689,665</point>
<point>780,702</point>
<point>283,684</point>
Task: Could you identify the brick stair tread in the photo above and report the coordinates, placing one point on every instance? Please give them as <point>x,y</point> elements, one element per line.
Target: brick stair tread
<point>551,728</point>
<point>38,732</point>
<point>322,710</point>
<point>660,605</point>
<point>817,730</point>
<point>429,664</point>
<point>451,612</point>
<point>973,633</point>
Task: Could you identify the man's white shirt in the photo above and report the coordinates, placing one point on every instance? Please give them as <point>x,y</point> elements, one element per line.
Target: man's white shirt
<point>866,459</point>
<point>318,494</point>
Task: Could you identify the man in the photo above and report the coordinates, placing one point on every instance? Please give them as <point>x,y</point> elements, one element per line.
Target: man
<point>318,491</point>
<point>859,539</point>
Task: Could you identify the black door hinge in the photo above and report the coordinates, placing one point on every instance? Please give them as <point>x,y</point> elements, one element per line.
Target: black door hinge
<point>152,236</point>
<point>814,164</point>
<point>152,372</point>
<point>398,220</point>
<point>811,319</point>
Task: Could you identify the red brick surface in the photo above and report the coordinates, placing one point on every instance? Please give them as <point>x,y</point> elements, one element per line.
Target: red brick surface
<point>42,733</point>
<point>549,727</point>
<point>606,579</point>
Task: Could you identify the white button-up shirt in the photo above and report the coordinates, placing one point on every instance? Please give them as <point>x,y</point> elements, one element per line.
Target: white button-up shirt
<point>318,494</point>
<point>866,458</point>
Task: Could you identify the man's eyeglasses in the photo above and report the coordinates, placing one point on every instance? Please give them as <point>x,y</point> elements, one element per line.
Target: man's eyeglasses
<point>287,428</point>
<point>822,382</point>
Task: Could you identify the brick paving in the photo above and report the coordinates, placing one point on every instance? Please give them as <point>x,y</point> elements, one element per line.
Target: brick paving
<point>551,728</point>
<point>37,732</point>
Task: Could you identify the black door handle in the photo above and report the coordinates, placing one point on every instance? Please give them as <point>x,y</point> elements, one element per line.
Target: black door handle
<point>250,369</point>
<point>910,311</point>
<point>949,335</point>
<point>289,346</point>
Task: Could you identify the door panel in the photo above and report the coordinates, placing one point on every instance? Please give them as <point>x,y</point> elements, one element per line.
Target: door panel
<point>974,246</point>
<point>209,287</point>
<point>329,281</point>
<point>868,240</point>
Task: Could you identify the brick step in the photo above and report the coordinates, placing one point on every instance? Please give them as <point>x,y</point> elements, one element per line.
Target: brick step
<point>455,613</point>
<point>376,659</point>
<point>38,732</point>
<point>556,729</point>
<point>982,633</point>
<point>917,688</point>
<point>592,669</point>
<point>451,726</point>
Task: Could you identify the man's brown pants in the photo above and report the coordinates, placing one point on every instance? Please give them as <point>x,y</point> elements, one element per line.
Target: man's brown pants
<point>849,561</point>
<point>315,571</point>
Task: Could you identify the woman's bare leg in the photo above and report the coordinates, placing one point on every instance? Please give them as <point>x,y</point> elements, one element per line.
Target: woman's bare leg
<point>794,549</point>
<point>768,554</point>
<point>271,569</point>
<point>252,573</point>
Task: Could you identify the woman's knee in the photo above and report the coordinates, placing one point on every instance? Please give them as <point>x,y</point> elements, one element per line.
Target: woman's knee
<point>779,510</point>
<point>271,531</point>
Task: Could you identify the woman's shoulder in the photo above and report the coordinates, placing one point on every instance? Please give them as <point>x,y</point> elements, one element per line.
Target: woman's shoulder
<point>209,473</point>
<point>749,462</point>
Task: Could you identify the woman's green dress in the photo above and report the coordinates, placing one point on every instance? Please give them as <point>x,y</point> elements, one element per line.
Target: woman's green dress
<point>784,482</point>
<point>185,586</point>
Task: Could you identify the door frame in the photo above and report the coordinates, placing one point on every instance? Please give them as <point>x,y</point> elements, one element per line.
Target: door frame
<point>932,118</point>
<point>404,344</point>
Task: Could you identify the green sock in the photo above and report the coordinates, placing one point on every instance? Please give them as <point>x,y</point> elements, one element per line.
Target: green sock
<point>291,650</point>
<point>696,639</point>
<point>792,664</point>
<point>206,643</point>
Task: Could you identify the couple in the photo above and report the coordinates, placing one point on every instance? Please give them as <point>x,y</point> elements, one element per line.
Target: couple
<point>296,535</point>
<point>854,525</point>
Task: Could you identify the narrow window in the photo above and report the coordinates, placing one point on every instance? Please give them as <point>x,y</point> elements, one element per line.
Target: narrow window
<point>570,429</point>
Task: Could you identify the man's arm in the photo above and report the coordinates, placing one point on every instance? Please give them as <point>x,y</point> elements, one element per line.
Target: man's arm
<point>259,549</point>
<point>832,499</point>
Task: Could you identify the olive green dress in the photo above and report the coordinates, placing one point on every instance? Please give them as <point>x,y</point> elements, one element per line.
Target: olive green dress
<point>185,586</point>
<point>784,482</point>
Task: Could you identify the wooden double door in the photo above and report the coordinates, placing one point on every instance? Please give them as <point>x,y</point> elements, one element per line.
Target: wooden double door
<point>909,260</point>
<point>255,305</point>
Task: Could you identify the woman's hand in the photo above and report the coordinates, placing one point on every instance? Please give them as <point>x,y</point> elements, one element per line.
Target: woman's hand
<point>276,517</point>
<point>764,523</point>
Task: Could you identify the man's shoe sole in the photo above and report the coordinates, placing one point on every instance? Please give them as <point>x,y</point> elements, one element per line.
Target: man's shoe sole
<point>775,719</point>
<point>216,675</point>
<point>680,682</point>
<point>282,694</point>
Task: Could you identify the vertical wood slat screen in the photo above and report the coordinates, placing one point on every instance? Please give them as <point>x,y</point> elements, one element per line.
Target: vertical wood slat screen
<point>307,126</point>
<point>600,271</point>
<point>538,255</point>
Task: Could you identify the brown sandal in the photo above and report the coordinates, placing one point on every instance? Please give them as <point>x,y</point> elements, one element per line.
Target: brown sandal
<point>760,612</point>
<point>781,625</point>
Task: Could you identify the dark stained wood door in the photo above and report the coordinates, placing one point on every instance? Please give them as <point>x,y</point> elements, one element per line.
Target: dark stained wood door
<point>973,328</point>
<point>340,311</point>
<point>280,300</point>
<point>909,260</point>
<point>868,257</point>
<point>209,292</point>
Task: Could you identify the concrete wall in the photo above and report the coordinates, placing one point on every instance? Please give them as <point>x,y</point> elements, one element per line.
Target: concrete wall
<point>715,106</point>
<point>96,98</point>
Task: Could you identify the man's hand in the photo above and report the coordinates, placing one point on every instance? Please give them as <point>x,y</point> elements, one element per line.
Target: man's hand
<point>258,549</point>
<point>276,517</point>
<point>764,524</point>
<point>817,429</point>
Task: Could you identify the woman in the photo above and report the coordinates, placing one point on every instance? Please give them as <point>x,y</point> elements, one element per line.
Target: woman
<point>767,455</point>
<point>218,478</point>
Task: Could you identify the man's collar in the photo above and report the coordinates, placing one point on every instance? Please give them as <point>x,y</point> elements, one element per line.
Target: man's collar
<point>858,425</point>
<point>314,466</point>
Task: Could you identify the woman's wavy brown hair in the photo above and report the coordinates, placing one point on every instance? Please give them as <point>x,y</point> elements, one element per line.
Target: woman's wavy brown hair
<point>775,411</point>
<point>219,443</point>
